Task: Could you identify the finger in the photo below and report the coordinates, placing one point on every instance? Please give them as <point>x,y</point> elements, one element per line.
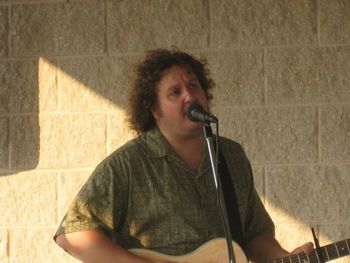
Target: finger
<point>306,248</point>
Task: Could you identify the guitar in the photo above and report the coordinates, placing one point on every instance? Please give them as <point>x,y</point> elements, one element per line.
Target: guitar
<point>215,251</point>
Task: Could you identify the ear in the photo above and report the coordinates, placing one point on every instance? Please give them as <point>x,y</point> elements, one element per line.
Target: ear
<point>155,110</point>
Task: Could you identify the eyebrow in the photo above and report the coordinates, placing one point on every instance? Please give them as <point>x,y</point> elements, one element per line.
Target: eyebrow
<point>194,79</point>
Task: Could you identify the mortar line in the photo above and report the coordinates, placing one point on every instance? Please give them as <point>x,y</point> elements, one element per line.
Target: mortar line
<point>210,11</point>
<point>9,145</point>
<point>107,127</point>
<point>265,184</point>
<point>319,135</point>
<point>136,53</point>
<point>264,102</point>
<point>9,30</point>
<point>318,15</point>
<point>107,33</point>
<point>58,201</point>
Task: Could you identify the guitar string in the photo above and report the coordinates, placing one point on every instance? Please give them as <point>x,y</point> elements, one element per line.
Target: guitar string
<point>347,244</point>
<point>330,251</point>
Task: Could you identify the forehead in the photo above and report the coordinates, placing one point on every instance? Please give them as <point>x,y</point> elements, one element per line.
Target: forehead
<point>176,74</point>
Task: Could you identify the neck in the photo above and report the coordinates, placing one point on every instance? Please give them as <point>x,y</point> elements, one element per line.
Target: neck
<point>190,148</point>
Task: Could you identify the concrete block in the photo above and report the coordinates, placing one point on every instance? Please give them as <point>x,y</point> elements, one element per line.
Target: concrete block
<point>118,131</point>
<point>33,30</point>
<point>329,233</point>
<point>93,84</point>
<point>335,133</point>
<point>4,86</point>
<point>19,83</point>
<point>24,141</point>
<point>27,86</point>
<point>308,75</point>
<point>334,22</point>
<point>81,27</point>
<point>238,76</point>
<point>4,142</point>
<point>4,245</point>
<point>69,184</point>
<point>256,23</point>
<point>47,85</point>
<point>135,25</point>
<point>72,140</point>
<point>337,179</point>
<point>270,135</point>
<point>306,194</point>
<point>4,31</point>
<point>57,141</point>
<point>28,199</point>
<point>36,245</point>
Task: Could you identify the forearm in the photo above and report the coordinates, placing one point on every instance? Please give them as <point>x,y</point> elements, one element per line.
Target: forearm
<point>264,248</point>
<point>95,247</point>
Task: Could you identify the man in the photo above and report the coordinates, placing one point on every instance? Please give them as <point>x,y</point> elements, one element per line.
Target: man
<point>157,191</point>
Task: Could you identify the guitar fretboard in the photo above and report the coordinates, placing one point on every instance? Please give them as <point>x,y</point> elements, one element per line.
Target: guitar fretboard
<point>320,255</point>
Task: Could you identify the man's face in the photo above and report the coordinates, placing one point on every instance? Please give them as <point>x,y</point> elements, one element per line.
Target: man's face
<point>176,91</point>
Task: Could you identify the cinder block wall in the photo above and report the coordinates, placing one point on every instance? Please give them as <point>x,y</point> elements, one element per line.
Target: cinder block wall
<point>283,91</point>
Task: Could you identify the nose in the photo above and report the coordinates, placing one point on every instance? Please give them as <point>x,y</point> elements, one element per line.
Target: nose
<point>188,95</point>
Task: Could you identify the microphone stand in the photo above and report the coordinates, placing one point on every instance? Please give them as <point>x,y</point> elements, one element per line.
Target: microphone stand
<point>208,134</point>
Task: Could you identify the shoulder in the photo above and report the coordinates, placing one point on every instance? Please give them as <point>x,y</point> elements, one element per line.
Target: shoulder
<point>116,167</point>
<point>136,151</point>
<point>229,142</point>
<point>237,161</point>
<point>128,153</point>
<point>231,148</point>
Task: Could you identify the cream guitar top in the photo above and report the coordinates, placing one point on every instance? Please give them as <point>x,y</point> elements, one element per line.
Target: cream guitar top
<point>215,251</point>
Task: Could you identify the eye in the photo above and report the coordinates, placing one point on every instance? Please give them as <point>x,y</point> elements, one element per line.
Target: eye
<point>175,92</point>
<point>194,85</point>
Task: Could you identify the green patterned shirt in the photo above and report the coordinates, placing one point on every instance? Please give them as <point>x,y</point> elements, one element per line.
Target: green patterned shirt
<point>145,195</point>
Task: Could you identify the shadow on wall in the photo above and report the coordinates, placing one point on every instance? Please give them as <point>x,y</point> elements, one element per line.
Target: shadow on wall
<point>19,121</point>
<point>46,106</point>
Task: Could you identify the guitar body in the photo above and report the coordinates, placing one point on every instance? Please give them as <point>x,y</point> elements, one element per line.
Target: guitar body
<point>214,251</point>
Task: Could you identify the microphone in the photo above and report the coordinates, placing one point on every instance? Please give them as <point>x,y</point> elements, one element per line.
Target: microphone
<point>196,113</point>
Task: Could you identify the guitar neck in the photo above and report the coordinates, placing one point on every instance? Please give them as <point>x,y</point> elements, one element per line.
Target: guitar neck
<point>319,255</point>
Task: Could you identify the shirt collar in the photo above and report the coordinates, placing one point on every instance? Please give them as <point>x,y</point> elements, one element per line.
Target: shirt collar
<point>156,143</point>
<point>158,147</point>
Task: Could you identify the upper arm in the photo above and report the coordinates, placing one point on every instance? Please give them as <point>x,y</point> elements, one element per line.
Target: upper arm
<point>94,246</point>
<point>79,240</point>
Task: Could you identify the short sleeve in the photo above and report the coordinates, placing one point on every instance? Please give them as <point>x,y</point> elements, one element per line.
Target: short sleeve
<point>97,205</point>
<point>254,217</point>
<point>258,221</point>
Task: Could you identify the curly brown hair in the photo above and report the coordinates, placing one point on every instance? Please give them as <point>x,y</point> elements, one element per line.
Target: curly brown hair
<point>148,73</point>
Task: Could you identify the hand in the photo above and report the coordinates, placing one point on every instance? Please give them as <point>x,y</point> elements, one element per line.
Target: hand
<point>306,248</point>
